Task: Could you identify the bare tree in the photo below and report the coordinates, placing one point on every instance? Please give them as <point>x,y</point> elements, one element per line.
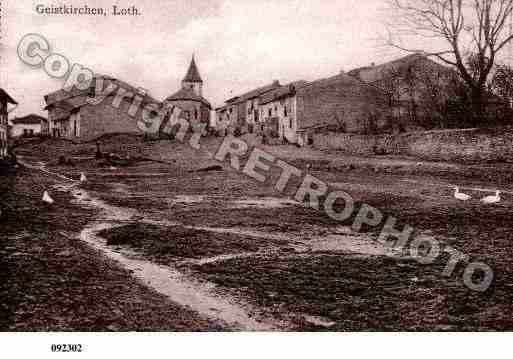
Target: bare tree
<point>401,83</point>
<point>467,27</point>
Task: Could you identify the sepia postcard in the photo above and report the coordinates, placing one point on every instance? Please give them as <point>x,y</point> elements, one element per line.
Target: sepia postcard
<point>262,166</point>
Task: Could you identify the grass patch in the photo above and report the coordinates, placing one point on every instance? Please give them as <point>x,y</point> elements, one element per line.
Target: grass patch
<point>362,294</point>
<point>166,244</point>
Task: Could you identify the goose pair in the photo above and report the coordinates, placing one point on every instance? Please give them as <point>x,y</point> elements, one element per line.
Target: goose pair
<point>487,200</point>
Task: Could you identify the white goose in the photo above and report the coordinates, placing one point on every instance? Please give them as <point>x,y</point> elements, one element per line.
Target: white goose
<point>492,199</point>
<point>47,198</point>
<point>460,196</point>
<point>83,177</point>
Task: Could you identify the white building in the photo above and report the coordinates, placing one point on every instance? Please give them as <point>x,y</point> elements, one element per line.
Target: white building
<point>27,126</point>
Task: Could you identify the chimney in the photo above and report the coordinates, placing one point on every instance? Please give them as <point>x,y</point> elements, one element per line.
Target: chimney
<point>276,83</point>
<point>373,64</point>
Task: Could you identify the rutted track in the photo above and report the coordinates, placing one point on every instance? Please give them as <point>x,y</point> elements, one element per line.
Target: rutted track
<point>166,280</point>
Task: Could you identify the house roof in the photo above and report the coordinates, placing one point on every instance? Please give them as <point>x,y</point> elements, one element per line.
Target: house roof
<point>255,93</point>
<point>4,96</point>
<point>72,92</point>
<point>76,98</point>
<point>377,73</point>
<point>232,100</point>
<point>281,92</point>
<point>193,74</point>
<point>185,94</point>
<point>222,108</point>
<point>31,119</point>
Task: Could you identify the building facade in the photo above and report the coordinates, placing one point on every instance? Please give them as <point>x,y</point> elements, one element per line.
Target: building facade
<point>78,115</point>
<point>5,100</point>
<point>195,108</point>
<point>418,89</point>
<point>293,112</point>
<point>278,112</point>
<point>242,113</point>
<point>338,103</point>
<point>27,126</point>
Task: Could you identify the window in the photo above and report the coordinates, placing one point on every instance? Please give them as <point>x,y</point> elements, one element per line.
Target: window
<point>25,132</point>
<point>290,123</point>
<point>270,112</point>
<point>285,111</point>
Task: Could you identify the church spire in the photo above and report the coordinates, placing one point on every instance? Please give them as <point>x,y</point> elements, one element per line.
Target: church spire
<point>193,73</point>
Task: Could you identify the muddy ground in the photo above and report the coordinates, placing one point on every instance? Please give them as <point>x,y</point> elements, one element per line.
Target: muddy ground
<point>50,281</point>
<point>293,264</point>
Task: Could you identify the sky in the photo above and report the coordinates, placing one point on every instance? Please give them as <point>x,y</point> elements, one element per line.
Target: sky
<point>238,44</point>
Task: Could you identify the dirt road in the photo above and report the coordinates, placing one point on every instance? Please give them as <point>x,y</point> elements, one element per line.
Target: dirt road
<point>290,267</point>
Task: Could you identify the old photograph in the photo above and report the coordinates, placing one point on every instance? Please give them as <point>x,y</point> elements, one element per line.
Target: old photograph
<point>256,166</point>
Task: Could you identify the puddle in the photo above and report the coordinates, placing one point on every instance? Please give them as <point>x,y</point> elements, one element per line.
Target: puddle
<point>264,202</point>
<point>319,321</point>
<point>344,241</point>
<point>187,199</point>
<point>362,245</point>
<point>225,257</point>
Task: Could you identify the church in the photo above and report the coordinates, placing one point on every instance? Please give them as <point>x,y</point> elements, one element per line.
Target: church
<point>195,108</point>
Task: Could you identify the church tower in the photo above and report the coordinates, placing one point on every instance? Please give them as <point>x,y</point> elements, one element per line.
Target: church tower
<point>193,79</point>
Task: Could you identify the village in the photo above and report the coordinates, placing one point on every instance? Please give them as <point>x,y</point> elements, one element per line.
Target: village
<point>88,178</point>
<point>411,93</point>
<point>372,198</point>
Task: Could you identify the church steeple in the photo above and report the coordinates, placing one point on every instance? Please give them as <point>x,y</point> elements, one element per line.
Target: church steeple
<point>192,79</point>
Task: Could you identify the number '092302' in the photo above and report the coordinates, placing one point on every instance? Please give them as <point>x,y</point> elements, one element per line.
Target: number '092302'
<point>66,348</point>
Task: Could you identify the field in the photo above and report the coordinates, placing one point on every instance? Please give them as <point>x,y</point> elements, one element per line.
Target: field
<point>246,248</point>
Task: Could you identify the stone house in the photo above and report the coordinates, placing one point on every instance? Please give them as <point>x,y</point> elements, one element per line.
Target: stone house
<point>27,126</point>
<point>417,86</point>
<point>77,115</point>
<point>5,100</point>
<point>278,109</point>
<point>227,116</point>
<point>195,108</point>
<point>243,112</point>
<point>340,103</point>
